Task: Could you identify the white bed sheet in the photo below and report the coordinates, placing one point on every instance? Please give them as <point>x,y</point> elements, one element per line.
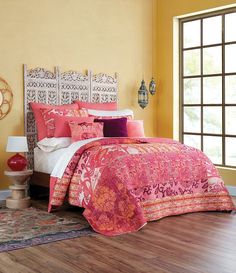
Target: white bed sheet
<point>46,161</point>
<point>64,160</point>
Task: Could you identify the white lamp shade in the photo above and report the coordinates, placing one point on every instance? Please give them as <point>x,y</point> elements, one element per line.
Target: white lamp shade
<point>17,144</point>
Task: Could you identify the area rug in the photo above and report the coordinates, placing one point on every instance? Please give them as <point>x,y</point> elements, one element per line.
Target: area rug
<point>30,227</point>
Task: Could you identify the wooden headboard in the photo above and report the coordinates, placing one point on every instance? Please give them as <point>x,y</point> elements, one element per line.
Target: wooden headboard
<point>56,88</point>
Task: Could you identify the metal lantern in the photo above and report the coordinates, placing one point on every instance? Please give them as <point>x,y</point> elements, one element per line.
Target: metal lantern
<point>143,95</point>
<point>152,87</point>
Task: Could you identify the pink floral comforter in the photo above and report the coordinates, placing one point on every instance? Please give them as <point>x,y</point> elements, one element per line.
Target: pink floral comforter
<point>123,183</point>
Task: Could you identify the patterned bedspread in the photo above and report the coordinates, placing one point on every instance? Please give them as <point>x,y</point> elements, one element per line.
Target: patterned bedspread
<point>122,183</point>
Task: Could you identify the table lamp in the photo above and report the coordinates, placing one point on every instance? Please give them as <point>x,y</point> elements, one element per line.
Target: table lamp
<point>17,144</point>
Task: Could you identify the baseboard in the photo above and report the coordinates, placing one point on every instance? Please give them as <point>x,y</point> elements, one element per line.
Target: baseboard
<point>232,190</point>
<point>3,195</point>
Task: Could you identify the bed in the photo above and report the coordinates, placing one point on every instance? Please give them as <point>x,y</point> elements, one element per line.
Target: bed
<point>122,182</point>
<point>55,87</point>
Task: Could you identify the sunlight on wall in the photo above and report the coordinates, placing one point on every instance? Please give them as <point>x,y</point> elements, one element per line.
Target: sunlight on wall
<point>167,61</point>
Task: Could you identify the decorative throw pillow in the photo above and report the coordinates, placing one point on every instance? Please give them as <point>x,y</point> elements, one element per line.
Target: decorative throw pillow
<point>135,128</point>
<point>53,143</point>
<point>114,127</point>
<point>97,106</point>
<point>40,125</point>
<point>49,117</point>
<point>85,130</point>
<point>62,128</point>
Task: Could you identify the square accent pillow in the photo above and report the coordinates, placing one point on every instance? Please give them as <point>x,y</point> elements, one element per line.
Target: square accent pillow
<point>49,117</point>
<point>85,130</point>
<point>62,128</point>
<point>40,125</point>
<point>114,127</point>
<point>135,128</point>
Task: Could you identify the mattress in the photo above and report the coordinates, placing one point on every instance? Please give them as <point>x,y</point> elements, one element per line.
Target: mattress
<point>45,161</point>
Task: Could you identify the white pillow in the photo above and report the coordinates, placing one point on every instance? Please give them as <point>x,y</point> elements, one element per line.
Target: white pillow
<point>54,143</point>
<point>115,113</point>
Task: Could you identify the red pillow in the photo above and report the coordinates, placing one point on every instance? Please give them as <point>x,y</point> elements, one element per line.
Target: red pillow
<point>50,114</point>
<point>135,128</point>
<point>40,125</point>
<point>97,106</point>
<point>62,128</point>
<point>85,130</point>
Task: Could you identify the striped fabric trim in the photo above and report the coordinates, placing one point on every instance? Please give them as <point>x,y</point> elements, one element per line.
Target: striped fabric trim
<point>175,205</point>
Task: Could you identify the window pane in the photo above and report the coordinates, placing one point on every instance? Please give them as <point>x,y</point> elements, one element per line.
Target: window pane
<point>192,62</point>
<point>212,63</point>
<point>212,33</point>
<point>230,120</point>
<point>230,152</point>
<point>192,119</point>
<point>193,141</point>
<point>230,29</point>
<point>212,147</point>
<point>191,33</point>
<point>192,91</point>
<point>230,58</point>
<point>230,89</point>
<point>212,120</point>
<point>212,90</point>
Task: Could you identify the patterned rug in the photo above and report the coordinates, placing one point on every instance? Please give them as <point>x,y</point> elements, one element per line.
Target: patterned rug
<point>30,227</point>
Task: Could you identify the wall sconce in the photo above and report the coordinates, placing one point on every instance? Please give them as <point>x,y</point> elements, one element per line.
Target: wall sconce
<point>143,93</point>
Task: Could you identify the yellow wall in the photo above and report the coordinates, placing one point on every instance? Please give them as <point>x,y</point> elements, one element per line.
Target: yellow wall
<point>102,35</point>
<point>166,10</point>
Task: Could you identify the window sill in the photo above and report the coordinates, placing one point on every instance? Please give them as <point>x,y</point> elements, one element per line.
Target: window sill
<point>226,168</point>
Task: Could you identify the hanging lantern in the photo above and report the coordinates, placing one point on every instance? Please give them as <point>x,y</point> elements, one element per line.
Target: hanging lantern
<point>143,95</point>
<point>152,87</point>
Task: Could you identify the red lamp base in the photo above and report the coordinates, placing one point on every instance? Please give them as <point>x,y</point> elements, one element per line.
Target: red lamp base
<point>17,162</point>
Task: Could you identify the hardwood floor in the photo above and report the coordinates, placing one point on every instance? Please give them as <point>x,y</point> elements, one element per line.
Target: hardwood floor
<point>192,243</point>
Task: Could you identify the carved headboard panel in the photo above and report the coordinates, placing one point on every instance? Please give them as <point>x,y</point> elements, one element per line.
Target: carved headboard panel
<point>73,86</point>
<point>41,85</point>
<point>103,88</point>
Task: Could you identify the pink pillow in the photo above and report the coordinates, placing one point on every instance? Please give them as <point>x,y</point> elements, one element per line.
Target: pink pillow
<point>97,106</point>
<point>49,116</point>
<point>135,128</point>
<point>62,128</point>
<point>86,130</point>
<point>41,128</point>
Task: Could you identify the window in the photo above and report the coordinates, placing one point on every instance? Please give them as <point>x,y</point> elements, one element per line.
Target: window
<point>208,85</point>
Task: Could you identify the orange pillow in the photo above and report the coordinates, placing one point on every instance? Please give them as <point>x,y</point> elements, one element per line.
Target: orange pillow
<point>135,128</point>
<point>85,130</point>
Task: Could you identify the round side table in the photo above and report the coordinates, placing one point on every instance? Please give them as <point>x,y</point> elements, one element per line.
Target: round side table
<point>18,198</point>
